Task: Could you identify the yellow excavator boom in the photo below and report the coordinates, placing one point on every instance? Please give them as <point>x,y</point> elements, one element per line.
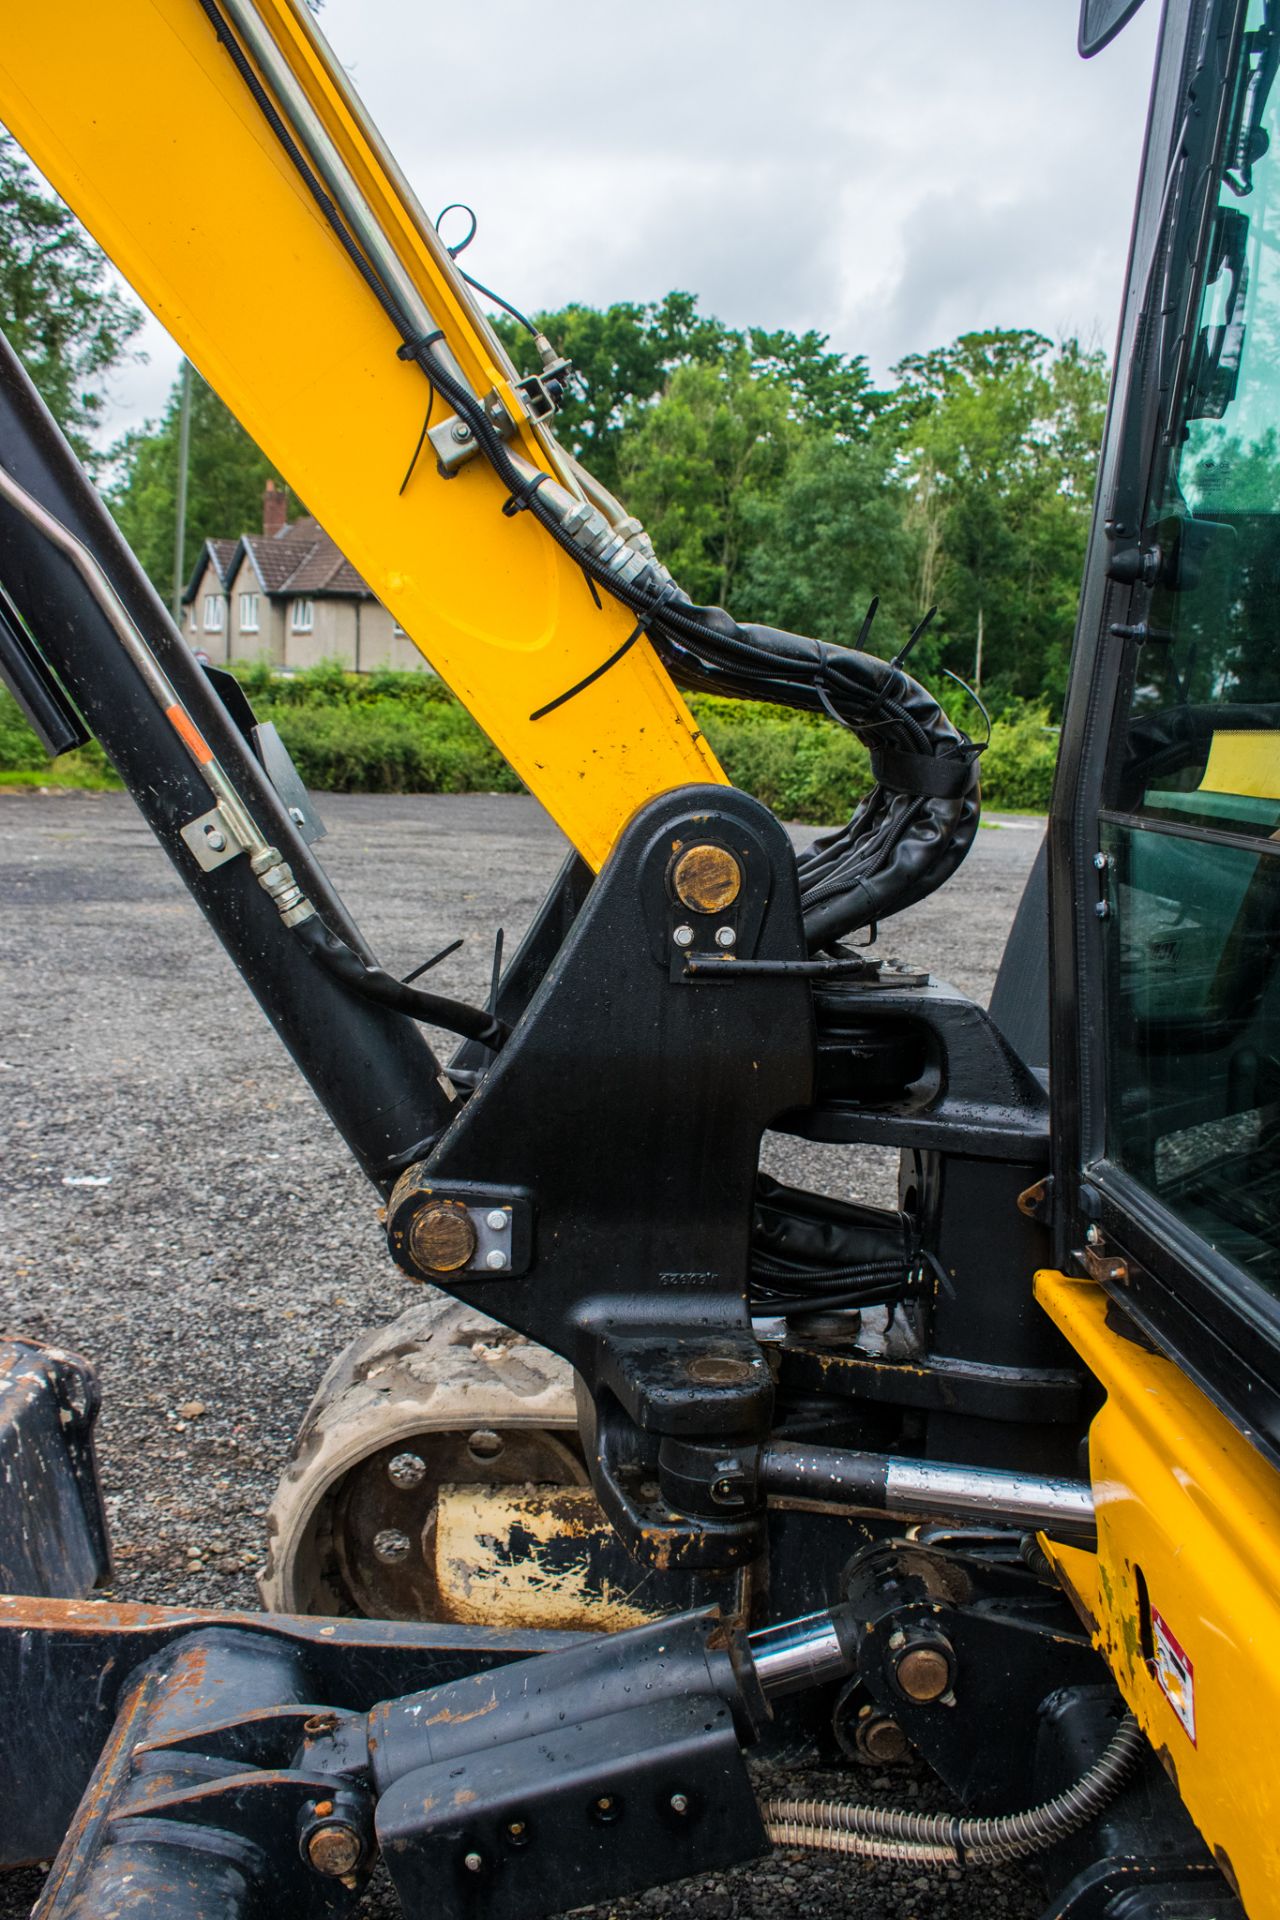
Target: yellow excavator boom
<point>155,140</point>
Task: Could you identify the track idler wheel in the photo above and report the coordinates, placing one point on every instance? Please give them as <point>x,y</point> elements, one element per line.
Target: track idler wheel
<point>435,1414</point>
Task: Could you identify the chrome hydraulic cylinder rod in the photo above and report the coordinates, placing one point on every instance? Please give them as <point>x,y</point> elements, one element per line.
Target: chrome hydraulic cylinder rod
<point>796,1654</point>
<point>927,1489</point>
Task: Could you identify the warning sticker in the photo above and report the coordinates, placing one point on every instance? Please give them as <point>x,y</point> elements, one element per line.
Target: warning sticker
<point>1175,1673</point>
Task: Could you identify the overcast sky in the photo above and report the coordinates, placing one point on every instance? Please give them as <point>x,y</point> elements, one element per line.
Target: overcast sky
<point>891,175</point>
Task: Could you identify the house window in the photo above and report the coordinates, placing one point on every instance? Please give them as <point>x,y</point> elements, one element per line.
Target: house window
<point>304,616</point>
<point>214,612</point>
<point>248,613</point>
<point>195,618</point>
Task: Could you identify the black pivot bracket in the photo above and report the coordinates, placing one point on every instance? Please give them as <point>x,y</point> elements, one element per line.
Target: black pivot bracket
<point>622,1122</point>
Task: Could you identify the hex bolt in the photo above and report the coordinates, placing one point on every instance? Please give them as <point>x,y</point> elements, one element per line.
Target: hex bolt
<point>1094,1235</point>
<point>1102,908</point>
<point>461,431</point>
<point>495,1259</point>
<point>726,937</point>
<point>473,1862</point>
<point>497,1219</point>
<point>406,1470</point>
<point>724,1493</point>
<point>297,816</point>
<point>679,1803</point>
<point>517,1832</point>
<point>923,1672</point>
<point>215,841</point>
<point>391,1546</point>
<point>683,936</point>
<point>335,1849</point>
<point>1102,861</point>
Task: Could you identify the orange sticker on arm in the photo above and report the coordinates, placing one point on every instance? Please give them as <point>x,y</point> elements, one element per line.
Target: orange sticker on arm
<point>183,724</point>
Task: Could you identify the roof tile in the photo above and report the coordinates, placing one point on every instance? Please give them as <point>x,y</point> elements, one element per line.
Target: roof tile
<point>302,559</point>
<point>299,560</point>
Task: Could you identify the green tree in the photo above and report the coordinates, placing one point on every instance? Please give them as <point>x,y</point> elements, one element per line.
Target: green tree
<point>225,479</point>
<point>68,323</point>
<point>997,438</point>
<point>830,392</point>
<point>698,461</point>
<point>833,536</point>
<point>623,356</point>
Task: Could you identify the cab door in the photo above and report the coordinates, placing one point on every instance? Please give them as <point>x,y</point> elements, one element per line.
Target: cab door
<point>1165,834</point>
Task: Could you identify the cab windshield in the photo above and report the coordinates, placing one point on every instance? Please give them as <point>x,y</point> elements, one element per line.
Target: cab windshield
<point>1193,835</point>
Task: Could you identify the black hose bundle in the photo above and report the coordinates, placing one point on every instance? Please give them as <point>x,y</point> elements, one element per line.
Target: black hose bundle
<point>811,1253</point>
<point>919,820</point>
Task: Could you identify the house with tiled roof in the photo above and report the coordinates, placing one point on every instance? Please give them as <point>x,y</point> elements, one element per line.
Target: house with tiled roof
<point>289,595</point>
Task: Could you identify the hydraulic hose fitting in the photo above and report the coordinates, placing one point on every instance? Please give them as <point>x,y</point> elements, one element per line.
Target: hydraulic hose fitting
<point>275,877</point>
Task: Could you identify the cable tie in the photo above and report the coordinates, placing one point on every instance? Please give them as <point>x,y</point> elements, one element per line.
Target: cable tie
<point>594,675</point>
<point>519,497</point>
<point>920,628</point>
<point>418,343</point>
<point>431,402</point>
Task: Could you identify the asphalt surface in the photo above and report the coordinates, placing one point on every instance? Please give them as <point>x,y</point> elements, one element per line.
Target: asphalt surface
<point>175,1206</point>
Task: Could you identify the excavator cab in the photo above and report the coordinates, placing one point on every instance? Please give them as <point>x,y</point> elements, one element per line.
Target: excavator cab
<point>1166,916</point>
<point>991,1473</point>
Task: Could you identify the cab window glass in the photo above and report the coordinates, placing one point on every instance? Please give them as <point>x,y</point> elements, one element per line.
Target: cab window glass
<point>1206,699</point>
<point>1193,838</point>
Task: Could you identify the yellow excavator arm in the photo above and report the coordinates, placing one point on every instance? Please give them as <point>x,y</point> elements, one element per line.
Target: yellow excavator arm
<point>153,135</point>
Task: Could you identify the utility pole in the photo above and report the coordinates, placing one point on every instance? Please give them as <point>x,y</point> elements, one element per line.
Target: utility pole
<point>977,658</point>
<point>180,527</point>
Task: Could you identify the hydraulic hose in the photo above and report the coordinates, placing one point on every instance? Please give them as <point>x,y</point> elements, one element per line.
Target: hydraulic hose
<point>953,1840</point>
<point>810,1251</point>
<point>375,983</point>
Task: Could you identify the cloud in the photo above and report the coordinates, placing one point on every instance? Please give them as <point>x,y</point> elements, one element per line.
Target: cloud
<point>890,176</point>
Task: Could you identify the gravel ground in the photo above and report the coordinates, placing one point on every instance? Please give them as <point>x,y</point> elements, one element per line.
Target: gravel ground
<point>175,1206</point>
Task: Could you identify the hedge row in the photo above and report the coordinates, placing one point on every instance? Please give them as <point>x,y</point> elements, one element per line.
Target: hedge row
<point>406,733</point>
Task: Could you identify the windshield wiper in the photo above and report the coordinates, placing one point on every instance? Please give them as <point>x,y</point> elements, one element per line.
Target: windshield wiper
<point>1219,348</point>
<point>1249,140</point>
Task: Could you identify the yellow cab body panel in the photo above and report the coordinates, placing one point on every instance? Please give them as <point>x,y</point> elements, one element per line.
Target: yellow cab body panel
<point>1183,1594</point>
